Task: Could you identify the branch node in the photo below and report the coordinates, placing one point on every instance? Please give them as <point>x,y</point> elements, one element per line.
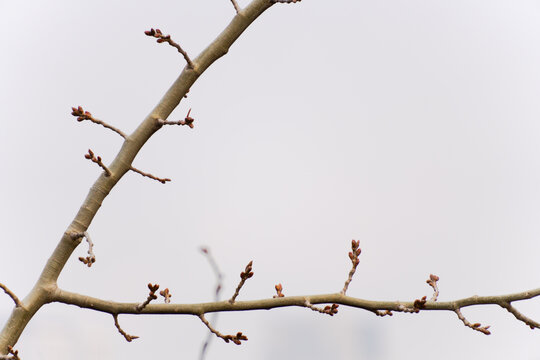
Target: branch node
<point>161,180</point>
<point>279,289</point>
<point>128,337</point>
<point>12,295</point>
<point>86,115</point>
<point>151,296</point>
<point>237,339</point>
<point>97,160</point>
<point>353,255</point>
<point>167,38</point>
<point>246,274</point>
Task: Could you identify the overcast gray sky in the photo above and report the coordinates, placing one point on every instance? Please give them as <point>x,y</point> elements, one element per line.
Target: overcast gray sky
<point>412,126</point>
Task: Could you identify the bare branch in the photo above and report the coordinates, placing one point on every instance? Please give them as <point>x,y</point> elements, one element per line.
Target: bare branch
<point>246,274</point>
<point>236,7</point>
<point>237,339</point>
<point>97,160</point>
<point>353,255</point>
<point>86,115</point>
<point>128,337</point>
<point>187,121</point>
<point>46,284</point>
<point>11,295</point>
<point>91,258</point>
<point>151,296</point>
<point>286,1</point>
<point>380,308</point>
<point>163,181</point>
<point>167,38</point>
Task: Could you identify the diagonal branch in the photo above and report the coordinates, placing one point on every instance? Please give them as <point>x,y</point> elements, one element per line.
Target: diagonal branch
<point>46,284</point>
<point>86,115</point>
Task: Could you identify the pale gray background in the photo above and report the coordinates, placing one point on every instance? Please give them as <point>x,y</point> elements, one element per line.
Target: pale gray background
<point>412,126</point>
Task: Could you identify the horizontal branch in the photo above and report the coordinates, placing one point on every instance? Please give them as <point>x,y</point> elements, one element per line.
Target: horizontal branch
<point>112,307</point>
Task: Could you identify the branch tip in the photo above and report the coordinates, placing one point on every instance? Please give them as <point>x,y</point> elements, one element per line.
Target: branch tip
<point>476,326</point>
<point>126,336</point>
<point>188,120</point>
<point>244,275</point>
<point>167,38</point>
<point>151,296</point>
<point>237,339</point>
<point>279,289</point>
<point>354,257</point>
<point>161,180</point>
<point>90,156</point>
<point>86,115</point>
<point>91,258</point>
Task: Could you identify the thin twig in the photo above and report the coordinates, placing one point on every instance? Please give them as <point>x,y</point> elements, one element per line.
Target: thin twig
<point>97,160</point>
<point>237,339</point>
<point>188,120</point>
<point>86,115</point>
<point>353,255</point>
<point>91,258</point>
<point>286,1</point>
<point>432,281</point>
<point>236,7</point>
<point>151,296</point>
<point>246,274</point>
<point>163,181</point>
<point>530,322</point>
<point>329,309</point>
<point>167,38</point>
<point>475,326</point>
<point>128,337</point>
<point>11,295</point>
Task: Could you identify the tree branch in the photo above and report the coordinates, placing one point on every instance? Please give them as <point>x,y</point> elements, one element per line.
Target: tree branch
<point>378,307</point>
<point>46,284</point>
